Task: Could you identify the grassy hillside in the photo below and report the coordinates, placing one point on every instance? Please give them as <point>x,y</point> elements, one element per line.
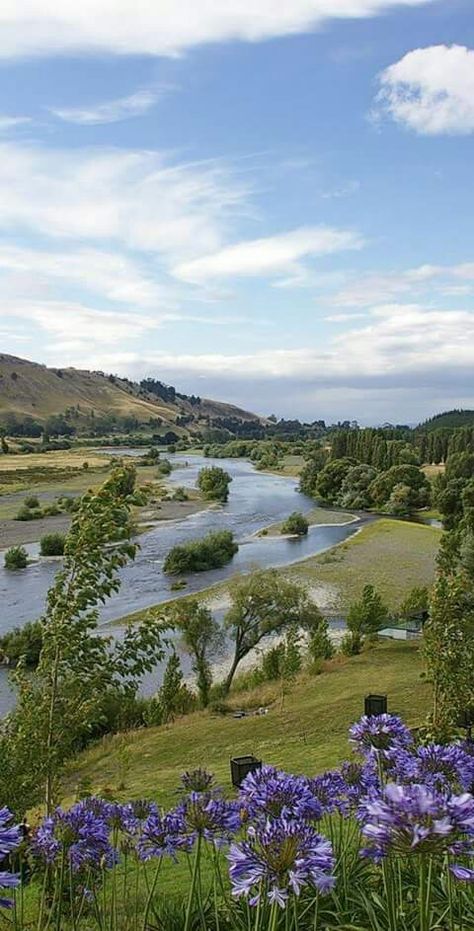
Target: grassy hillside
<point>308,735</point>
<point>451,419</point>
<point>27,388</point>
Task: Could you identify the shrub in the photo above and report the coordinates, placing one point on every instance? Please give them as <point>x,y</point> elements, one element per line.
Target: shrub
<point>211,552</point>
<point>23,642</point>
<point>16,558</point>
<point>31,502</point>
<point>214,483</point>
<point>28,513</point>
<point>180,494</point>
<point>52,544</point>
<point>164,467</point>
<point>296,524</point>
<point>52,510</point>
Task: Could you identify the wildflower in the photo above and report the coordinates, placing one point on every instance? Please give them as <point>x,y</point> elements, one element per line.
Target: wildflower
<point>205,815</point>
<point>197,780</point>
<point>79,834</point>
<point>416,819</point>
<point>379,735</point>
<point>162,835</point>
<point>10,838</point>
<point>270,793</point>
<point>281,857</point>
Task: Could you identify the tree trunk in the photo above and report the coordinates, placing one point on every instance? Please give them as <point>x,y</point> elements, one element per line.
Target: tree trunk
<point>228,681</point>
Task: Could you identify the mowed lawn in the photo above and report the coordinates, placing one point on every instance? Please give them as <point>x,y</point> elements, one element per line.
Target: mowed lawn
<point>392,555</point>
<point>308,735</point>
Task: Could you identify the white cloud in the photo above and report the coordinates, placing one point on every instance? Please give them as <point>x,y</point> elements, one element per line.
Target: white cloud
<point>135,198</point>
<point>430,90</point>
<point>269,257</point>
<point>164,27</point>
<point>12,122</point>
<point>112,111</point>
<point>380,287</point>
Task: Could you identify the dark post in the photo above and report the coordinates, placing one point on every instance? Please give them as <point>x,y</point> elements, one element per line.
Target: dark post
<point>375,704</point>
<point>241,766</point>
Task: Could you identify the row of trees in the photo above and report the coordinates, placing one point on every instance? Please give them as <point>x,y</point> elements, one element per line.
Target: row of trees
<point>347,483</point>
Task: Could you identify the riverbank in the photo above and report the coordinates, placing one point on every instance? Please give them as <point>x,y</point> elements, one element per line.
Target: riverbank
<point>317,517</point>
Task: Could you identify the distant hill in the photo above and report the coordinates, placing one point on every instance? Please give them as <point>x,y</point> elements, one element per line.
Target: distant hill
<point>449,419</point>
<point>30,390</point>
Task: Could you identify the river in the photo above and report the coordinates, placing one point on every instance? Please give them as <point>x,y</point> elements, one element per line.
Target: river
<point>256,499</point>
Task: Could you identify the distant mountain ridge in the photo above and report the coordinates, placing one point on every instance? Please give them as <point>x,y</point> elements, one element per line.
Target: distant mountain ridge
<point>29,389</point>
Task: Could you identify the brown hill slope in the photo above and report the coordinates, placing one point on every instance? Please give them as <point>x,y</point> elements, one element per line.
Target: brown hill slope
<point>27,388</point>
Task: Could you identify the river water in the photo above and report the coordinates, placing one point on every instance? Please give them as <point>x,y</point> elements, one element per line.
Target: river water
<point>256,499</point>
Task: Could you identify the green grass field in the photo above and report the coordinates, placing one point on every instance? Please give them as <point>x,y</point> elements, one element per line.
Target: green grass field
<point>392,555</point>
<point>308,735</point>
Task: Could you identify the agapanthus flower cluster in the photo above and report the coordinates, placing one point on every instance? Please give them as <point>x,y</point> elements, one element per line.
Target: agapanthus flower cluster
<point>80,834</point>
<point>270,793</point>
<point>342,789</point>
<point>162,835</point>
<point>197,780</point>
<point>10,838</point>
<point>415,819</point>
<point>278,858</point>
<point>379,735</point>
<point>444,767</point>
<point>208,815</point>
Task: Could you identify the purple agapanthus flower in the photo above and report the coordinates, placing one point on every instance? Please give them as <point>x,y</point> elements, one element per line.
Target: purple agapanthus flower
<point>443,767</point>
<point>79,834</point>
<point>10,838</point>
<point>209,816</point>
<point>379,735</point>
<point>162,835</point>
<point>271,793</point>
<point>415,819</point>
<point>361,780</point>
<point>329,789</point>
<point>197,780</point>
<point>278,859</point>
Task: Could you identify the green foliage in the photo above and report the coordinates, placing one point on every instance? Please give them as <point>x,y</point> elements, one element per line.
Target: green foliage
<point>407,475</point>
<point>330,479</point>
<point>355,487</point>
<point>61,705</point>
<point>173,697</point>
<point>296,524</point>
<point>180,494</point>
<point>164,468</point>
<point>31,502</point>
<point>201,637</point>
<point>365,617</point>
<point>52,544</point>
<point>320,646</point>
<point>264,603</point>
<point>28,514</point>
<point>210,552</point>
<point>22,643</point>
<point>214,483</point>
<point>16,558</point>
<point>416,602</point>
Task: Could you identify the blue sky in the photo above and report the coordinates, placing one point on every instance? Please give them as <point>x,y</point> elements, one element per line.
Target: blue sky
<point>268,204</point>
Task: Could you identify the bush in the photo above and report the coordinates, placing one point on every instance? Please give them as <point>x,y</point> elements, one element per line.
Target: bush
<point>52,510</point>
<point>28,513</point>
<point>180,494</point>
<point>31,502</point>
<point>52,544</point>
<point>16,558</point>
<point>214,483</point>
<point>211,552</point>
<point>296,524</point>
<point>23,642</point>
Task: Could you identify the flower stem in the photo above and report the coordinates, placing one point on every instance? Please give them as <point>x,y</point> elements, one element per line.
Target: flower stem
<point>151,894</point>
<point>192,891</point>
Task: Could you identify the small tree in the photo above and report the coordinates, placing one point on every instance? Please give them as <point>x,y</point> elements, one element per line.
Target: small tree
<point>416,602</point>
<point>365,617</point>
<point>214,483</point>
<point>265,603</point>
<point>16,558</point>
<point>52,544</point>
<point>173,696</point>
<point>201,637</point>
<point>296,525</point>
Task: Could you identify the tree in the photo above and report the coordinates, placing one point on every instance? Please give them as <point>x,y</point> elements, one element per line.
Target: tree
<point>211,552</point>
<point>16,558</point>
<point>355,487</point>
<point>60,704</point>
<point>295,524</point>
<point>214,483</point>
<point>366,617</point>
<point>201,637</point>
<point>262,604</point>
<point>173,696</point>
<point>329,482</point>
<point>410,475</point>
<point>403,500</point>
<point>415,602</point>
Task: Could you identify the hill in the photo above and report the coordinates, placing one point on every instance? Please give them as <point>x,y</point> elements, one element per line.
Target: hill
<point>32,391</point>
<point>448,419</point>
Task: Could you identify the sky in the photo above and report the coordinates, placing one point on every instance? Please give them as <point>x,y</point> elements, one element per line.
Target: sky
<point>266,203</point>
